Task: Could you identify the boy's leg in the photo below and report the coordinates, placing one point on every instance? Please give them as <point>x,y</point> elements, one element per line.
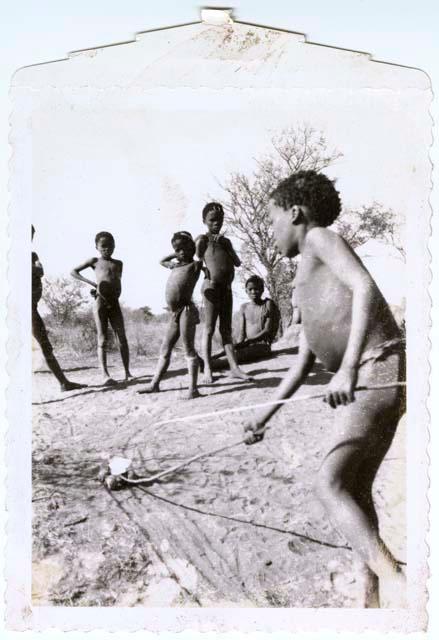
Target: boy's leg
<point>225,327</point>
<point>169,341</point>
<point>40,334</point>
<point>101,319</point>
<point>188,324</point>
<point>118,325</point>
<point>210,318</point>
<point>363,433</point>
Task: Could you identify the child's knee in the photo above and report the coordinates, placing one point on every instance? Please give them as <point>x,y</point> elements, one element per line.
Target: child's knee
<point>102,342</point>
<point>226,337</point>
<point>328,484</point>
<point>190,351</point>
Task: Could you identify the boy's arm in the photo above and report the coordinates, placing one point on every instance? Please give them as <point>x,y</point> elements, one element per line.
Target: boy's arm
<point>168,261</point>
<point>201,245</point>
<point>333,251</point>
<point>242,332</point>
<point>289,385</point>
<point>231,251</point>
<point>75,273</point>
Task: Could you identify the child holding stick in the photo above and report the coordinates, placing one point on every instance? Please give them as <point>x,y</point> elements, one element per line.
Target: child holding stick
<point>348,326</point>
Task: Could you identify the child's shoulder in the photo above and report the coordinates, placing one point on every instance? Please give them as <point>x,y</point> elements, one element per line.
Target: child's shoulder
<point>322,239</point>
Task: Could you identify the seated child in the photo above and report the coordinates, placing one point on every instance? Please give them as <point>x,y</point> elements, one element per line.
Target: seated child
<point>258,323</point>
<point>184,314</point>
<point>220,260</point>
<point>348,326</point>
<point>39,330</point>
<point>106,290</point>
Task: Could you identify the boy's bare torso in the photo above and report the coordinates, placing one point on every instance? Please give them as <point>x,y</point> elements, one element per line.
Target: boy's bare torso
<point>326,307</point>
<point>255,316</point>
<point>218,260</point>
<point>181,284</point>
<point>108,277</point>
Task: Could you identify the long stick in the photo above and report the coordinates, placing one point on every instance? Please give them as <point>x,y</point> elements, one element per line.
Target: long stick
<point>269,403</point>
<point>177,467</point>
<point>162,474</point>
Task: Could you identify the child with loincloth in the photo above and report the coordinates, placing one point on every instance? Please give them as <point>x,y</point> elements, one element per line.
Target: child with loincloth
<point>39,331</point>
<point>106,290</point>
<point>348,326</point>
<point>184,315</point>
<point>220,259</point>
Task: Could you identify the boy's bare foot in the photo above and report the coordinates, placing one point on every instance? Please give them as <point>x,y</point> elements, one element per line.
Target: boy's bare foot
<point>207,377</point>
<point>193,393</point>
<point>70,386</point>
<point>153,388</point>
<point>109,382</point>
<point>238,373</point>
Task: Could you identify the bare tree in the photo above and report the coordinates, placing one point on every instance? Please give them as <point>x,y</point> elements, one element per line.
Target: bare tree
<point>358,226</point>
<point>63,298</point>
<point>246,199</point>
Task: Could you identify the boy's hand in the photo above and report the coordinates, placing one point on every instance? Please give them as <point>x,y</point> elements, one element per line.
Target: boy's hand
<point>256,431</point>
<point>340,391</point>
<point>93,293</point>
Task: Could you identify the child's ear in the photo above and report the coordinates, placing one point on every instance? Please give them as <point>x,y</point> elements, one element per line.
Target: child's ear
<point>296,214</point>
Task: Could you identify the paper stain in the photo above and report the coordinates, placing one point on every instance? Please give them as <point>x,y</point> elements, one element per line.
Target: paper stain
<point>45,575</point>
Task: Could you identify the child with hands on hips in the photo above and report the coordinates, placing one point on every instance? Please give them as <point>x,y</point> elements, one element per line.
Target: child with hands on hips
<point>107,289</point>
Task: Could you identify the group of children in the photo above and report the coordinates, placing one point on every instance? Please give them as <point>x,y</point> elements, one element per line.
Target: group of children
<point>346,324</point>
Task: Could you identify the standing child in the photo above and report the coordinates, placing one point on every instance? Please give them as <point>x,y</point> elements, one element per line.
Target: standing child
<point>106,290</point>
<point>184,314</point>
<point>348,326</point>
<point>39,330</point>
<point>220,258</point>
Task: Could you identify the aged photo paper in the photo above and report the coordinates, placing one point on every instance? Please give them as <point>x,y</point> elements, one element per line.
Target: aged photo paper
<point>220,213</point>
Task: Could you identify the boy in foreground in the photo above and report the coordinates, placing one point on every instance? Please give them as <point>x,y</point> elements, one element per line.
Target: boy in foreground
<point>106,290</point>
<point>39,330</point>
<point>184,315</point>
<point>348,326</point>
<point>221,259</point>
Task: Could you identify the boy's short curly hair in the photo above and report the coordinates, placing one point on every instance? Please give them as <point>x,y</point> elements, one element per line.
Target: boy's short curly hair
<point>104,235</point>
<point>215,207</point>
<point>311,189</point>
<point>183,236</point>
<point>256,280</point>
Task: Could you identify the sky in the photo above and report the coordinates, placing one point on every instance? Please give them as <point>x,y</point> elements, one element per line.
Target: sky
<point>142,164</point>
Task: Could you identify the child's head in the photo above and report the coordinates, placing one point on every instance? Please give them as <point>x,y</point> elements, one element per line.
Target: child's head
<point>183,245</point>
<point>254,287</point>
<point>213,216</point>
<point>305,199</point>
<point>105,243</point>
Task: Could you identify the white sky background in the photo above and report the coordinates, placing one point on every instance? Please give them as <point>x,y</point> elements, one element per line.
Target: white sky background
<point>142,167</point>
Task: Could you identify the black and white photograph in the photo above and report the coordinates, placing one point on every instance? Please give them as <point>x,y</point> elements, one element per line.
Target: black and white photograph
<point>227,354</point>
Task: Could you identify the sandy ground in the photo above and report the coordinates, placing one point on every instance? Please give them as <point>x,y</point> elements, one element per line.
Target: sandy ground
<point>239,529</point>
